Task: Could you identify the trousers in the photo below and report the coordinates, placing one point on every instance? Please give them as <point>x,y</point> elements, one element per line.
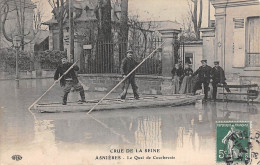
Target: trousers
<point>76,86</point>
<point>127,82</point>
<point>215,88</point>
<point>198,86</point>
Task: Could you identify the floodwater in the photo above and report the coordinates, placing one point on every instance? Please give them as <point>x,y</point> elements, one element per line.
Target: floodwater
<point>184,134</point>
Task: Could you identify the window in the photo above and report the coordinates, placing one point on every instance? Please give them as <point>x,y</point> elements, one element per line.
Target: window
<point>189,59</point>
<point>253,45</point>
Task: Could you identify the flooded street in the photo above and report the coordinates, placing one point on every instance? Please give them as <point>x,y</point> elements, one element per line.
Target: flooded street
<point>77,138</point>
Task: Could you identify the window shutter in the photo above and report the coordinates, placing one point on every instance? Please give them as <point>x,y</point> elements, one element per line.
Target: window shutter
<point>239,23</point>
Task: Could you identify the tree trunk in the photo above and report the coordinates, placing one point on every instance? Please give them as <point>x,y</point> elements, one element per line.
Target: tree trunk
<point>22,15</point>
<point>199,21</point>
<point>194,17</point>
<point>60,22</point>
<point>123,30</point>
<point>105,30</point>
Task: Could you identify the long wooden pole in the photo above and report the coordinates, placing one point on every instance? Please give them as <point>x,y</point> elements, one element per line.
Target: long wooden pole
<point>53,84</point>
<point>124,78</point>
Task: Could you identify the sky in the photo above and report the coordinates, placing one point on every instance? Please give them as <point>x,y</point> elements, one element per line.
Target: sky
<point>149,10</point>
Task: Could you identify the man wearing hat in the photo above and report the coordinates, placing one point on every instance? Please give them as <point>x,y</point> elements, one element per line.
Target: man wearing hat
<point>204,73</point>
<point>128,64</point>
<point>69,80</point>
<point>218,77</point>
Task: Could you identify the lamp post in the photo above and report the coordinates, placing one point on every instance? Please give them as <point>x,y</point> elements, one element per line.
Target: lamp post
<point>17,44</point>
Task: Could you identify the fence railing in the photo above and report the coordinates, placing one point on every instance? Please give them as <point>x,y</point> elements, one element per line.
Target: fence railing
<point>106,57</point>
<point>253,59</point>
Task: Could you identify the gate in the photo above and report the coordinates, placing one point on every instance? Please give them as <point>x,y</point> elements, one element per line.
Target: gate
<point>106,57</point>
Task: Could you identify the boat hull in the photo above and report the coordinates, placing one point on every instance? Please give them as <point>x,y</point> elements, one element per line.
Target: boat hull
<point>111,104</point>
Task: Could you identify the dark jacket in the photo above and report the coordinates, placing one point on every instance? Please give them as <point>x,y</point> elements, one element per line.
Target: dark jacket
<point>204,73</point>
<point>70,75</point>
<point>128,64</point>
<point>218,75</point>
<point>187,72</point>
<point>177,72</point>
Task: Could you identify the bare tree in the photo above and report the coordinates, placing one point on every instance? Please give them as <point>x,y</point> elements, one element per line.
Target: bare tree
<point>60,12</point>
<point>139,33</point>
<point>19,8</point>
<point>187,29</point>
<point>196,20</point>
<point>123,29</point>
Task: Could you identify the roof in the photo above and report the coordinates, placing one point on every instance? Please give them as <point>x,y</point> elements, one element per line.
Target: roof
<point>41,36</point>
<point>88,15</point>
<point>51,21</point>
<point>162,25</point>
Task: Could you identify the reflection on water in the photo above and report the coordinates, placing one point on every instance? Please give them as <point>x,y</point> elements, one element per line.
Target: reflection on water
<point>185,132</point>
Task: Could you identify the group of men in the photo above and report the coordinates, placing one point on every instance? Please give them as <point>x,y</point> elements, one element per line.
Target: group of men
<point>205,74</point>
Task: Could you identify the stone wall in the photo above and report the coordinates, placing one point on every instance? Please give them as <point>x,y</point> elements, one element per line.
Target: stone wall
<point>105,82</point>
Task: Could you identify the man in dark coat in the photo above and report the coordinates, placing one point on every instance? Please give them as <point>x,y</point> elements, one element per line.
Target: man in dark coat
<point>128,64</point>
<point>204,75</point>
<point>69,80</point>
<point>218,77</point>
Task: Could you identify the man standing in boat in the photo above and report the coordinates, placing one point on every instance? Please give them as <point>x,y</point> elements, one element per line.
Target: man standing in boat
<point>128,64</point>
<point>69,80</point>
<point>204,75</point>
<point>218,77</point>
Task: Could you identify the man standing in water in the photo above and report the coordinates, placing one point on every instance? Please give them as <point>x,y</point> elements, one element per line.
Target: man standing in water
<point>204,74</point>
<point>128,64</point>
<point>69,80</point>
<point>218,77</point>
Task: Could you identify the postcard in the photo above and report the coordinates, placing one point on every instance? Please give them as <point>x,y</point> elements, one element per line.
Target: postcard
<point>118,82</point>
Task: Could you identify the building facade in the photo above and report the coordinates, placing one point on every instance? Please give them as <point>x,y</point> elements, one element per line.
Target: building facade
<point>237,37</point>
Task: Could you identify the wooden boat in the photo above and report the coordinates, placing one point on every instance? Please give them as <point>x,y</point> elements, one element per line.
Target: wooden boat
<point>111,104</point>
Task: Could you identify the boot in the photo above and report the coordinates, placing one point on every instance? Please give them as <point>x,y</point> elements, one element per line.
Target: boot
<point>82,95</point>
<point>64,100</point>
<point>123,95</point>
<point>227,89</point>
<point>136,95</point>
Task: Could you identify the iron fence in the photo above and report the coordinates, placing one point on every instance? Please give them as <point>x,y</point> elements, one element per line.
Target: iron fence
<point>106,57</point>
<point>253,59</point>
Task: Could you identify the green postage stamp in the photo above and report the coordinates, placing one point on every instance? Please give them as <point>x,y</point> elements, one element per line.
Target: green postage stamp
<point>233,142</point>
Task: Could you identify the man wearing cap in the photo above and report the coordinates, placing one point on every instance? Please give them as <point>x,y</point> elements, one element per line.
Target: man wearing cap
<point>69,80</point>
<point>218,77</point>
<point>204,75</point>
<point>128,64</point>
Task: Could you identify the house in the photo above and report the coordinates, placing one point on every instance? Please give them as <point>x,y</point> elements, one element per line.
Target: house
<point>236,38</point>
<point>85,29</point>
<point>85,24</point>
<point>11,19</point>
